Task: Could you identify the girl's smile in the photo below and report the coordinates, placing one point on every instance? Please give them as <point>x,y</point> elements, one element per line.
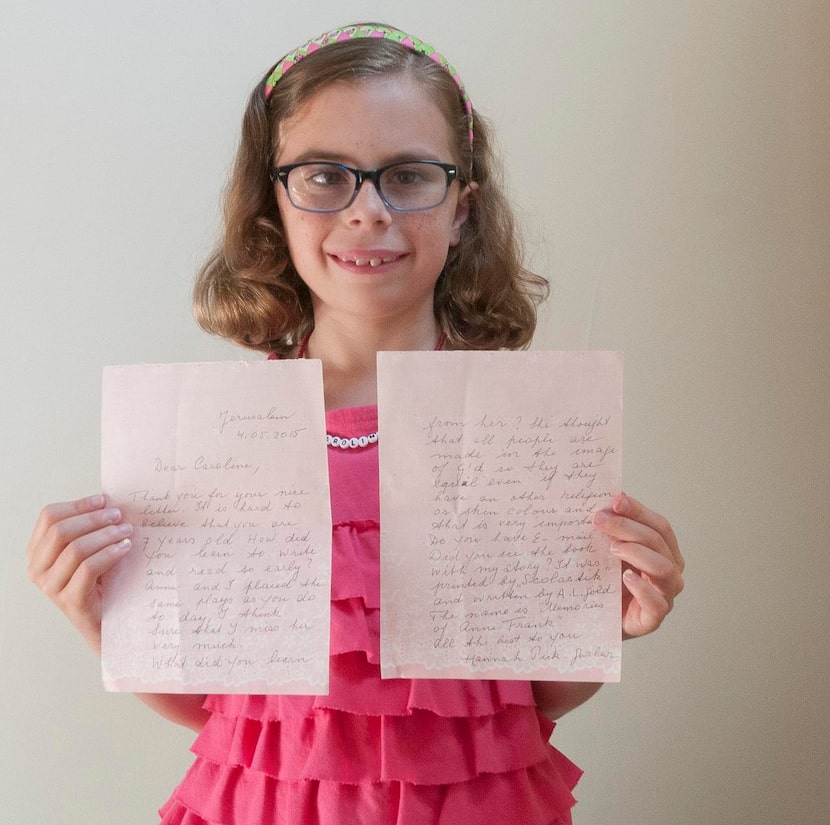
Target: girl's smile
<point>368,259</point>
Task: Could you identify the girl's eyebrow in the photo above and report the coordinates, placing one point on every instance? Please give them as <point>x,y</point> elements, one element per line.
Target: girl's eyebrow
<point>326,155</point>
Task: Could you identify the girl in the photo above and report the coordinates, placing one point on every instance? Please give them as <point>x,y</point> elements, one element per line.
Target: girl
<point>363,214</point>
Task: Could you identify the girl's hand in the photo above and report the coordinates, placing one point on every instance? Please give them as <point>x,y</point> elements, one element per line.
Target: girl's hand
<point>73,544</point>
<point>652,563</point>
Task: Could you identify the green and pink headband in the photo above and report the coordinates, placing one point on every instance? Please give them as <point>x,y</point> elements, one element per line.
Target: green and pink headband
<point>347,33</point>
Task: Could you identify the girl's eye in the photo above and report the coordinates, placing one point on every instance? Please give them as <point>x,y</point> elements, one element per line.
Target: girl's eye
<point>405,177</point>
<point>325,177</point>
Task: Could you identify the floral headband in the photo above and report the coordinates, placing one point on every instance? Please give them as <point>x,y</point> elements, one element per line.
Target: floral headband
<point>358,32</point>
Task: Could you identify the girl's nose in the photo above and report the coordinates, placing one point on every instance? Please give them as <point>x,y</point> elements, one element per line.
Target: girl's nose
<point>368,206</point>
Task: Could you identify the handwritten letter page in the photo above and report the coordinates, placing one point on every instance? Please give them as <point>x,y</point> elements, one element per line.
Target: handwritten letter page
<point>492,464</point>
<point>221,469</point>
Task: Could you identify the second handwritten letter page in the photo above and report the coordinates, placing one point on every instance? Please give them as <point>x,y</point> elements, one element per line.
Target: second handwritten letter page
<point>492,464</point>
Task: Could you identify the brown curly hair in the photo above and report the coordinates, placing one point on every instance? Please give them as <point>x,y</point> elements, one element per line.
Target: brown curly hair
<point>249,292</point>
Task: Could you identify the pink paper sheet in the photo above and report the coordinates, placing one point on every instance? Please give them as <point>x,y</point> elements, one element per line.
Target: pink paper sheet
<point>222,470</point>
<point>492,464</point>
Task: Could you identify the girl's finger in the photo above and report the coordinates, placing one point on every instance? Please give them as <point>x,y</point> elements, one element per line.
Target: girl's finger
<point>624,529</point>
<point>661,571</point>
<point>88,552</point>
<point>640,526</point>
<point>53,513</point>
<point>84,580</point>
<point>44,552</point>
<point>625,505</point>
<point>653,605</point>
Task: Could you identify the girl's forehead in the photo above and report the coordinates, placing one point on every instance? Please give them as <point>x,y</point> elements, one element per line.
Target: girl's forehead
<point>393,114</point>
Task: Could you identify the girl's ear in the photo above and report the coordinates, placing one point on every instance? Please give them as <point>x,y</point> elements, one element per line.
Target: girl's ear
<point>462,211</point>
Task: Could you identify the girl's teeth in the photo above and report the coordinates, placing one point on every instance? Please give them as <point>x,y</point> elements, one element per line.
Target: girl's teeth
<point>371,261</point>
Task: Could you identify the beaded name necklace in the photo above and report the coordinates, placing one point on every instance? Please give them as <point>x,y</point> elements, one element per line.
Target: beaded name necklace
<point>363,440</point>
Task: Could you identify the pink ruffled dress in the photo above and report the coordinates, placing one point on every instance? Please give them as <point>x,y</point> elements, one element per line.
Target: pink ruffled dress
<point>375,751</point>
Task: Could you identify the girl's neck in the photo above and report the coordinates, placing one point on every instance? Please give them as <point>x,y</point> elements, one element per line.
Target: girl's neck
<point>349,356</point>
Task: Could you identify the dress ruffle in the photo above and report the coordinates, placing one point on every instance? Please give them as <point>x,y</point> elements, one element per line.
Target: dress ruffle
<point>379,751</point>
<point>218,794</point>
<point>421,748</point>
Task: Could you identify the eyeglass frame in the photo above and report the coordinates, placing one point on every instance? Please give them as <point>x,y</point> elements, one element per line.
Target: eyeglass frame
<point>280,173</point>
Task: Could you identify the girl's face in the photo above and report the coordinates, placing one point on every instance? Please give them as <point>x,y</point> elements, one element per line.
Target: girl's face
<point>366,125</point>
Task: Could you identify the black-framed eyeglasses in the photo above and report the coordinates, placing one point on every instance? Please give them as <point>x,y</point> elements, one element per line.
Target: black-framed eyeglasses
<point>322,186</point>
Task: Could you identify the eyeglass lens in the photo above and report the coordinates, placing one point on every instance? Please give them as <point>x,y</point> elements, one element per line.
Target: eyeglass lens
<point>404,186</point>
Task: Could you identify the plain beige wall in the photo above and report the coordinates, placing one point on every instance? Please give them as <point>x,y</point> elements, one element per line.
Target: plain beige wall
<point>670,161</point>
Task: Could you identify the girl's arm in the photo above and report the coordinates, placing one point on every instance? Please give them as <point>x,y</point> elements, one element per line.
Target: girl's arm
<point>555,699</point>
<point>652,577</point>
<point>182,708</point>
<point>73,544</point>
